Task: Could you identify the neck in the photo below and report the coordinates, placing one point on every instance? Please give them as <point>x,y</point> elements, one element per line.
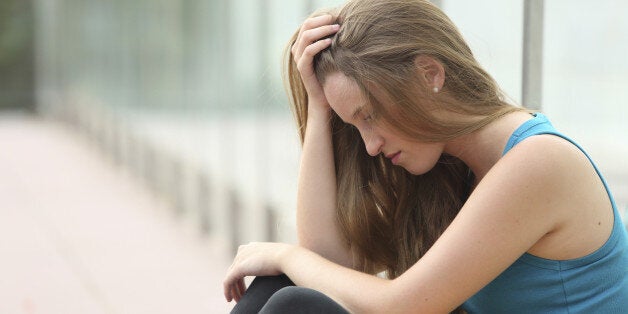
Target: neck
<point>482,149</point>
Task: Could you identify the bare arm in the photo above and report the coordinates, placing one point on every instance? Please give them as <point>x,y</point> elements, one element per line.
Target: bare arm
<point>523,198</point>
<point>317,228</point>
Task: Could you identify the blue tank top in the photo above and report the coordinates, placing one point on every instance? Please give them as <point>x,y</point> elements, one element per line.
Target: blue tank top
<point>596,283</point>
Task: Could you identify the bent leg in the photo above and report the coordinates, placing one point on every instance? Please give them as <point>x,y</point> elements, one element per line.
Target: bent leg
<point>301,301</point>
<point>258,293</point>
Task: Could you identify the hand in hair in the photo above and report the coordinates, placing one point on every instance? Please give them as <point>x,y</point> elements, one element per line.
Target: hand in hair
<point>311,40</point>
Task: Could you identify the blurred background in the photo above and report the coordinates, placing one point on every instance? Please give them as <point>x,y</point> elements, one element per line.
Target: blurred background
<point>142,141</point>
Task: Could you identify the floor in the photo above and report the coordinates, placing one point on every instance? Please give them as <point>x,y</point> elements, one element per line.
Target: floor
<point>78,235</point>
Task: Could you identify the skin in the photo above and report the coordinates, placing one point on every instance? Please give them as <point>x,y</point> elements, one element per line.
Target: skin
<point>543,197</point>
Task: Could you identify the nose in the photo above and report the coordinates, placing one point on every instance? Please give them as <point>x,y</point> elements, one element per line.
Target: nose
<point>373,143</point>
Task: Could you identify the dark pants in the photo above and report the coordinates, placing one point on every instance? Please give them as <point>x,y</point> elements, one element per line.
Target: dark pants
<point>278,294</point>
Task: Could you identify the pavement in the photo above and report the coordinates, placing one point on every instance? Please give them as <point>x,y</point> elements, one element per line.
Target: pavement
<point>79,235</point>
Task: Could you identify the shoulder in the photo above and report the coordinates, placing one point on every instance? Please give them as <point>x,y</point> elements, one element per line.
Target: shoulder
<point>527,177</point>
<point>544,156</point>
<point>545,160</point>
<point>536,177</point>
<point>547,178</point>
<point>563,187</point>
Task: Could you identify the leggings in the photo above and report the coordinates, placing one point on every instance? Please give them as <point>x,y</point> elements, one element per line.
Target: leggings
<point>278,294</point>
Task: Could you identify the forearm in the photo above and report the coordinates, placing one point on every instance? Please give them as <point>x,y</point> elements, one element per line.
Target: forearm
<point>358,292</point>
<point>316,196</point>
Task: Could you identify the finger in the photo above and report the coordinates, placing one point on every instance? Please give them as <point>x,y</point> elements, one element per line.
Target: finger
<point>304,65</point>
<point>239,290</point>
<point>317,21</point>
<point>236,293</point>
<point>228,284</point>
<point>314,22</point>
<point>312,35</point>
<point>241,287</point>
<point>304,38</point>
<point>227,291</point>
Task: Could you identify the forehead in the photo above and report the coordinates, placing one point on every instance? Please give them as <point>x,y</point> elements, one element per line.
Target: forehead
<point>344,95</point>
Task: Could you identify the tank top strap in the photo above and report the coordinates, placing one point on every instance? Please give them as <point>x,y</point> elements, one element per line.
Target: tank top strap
<point>539,124</point>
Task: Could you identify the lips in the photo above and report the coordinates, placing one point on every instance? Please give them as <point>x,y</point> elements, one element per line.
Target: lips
<point>394,158</point>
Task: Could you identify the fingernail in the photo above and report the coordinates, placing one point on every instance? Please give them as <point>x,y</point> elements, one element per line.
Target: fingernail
<point>335,27</point>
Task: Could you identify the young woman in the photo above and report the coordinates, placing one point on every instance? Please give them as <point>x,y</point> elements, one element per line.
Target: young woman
<point>414,167</point>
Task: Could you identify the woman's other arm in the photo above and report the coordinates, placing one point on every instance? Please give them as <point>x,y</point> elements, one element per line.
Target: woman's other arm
<point>526,196</point>
<point>317,228</point>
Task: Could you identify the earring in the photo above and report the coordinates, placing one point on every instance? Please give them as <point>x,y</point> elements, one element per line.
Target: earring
<point>435,89</point>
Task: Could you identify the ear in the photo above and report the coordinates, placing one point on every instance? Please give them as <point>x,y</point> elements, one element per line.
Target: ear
<point>431,70</point>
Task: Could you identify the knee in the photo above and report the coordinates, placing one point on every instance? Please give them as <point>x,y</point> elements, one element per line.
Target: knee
<point>300,300</point>
<point>287,299</point>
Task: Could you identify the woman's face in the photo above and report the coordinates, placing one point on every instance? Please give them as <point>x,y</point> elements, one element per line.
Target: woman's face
<point>346,99</point>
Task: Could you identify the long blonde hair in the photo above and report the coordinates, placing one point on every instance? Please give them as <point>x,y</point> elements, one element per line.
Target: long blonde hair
<point>389,217</point>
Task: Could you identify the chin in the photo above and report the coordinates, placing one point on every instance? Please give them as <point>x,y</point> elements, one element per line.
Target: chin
<point>418,170</point>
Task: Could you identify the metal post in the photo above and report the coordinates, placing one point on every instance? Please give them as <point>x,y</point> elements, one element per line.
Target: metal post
<point>438,3</point>
<point>532,80</point>
<point>310,6</point>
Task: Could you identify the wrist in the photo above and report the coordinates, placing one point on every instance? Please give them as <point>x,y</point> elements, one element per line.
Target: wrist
<point>286,255</point>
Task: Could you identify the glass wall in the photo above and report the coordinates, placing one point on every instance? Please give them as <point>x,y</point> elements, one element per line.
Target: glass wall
<point>187,94</point>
